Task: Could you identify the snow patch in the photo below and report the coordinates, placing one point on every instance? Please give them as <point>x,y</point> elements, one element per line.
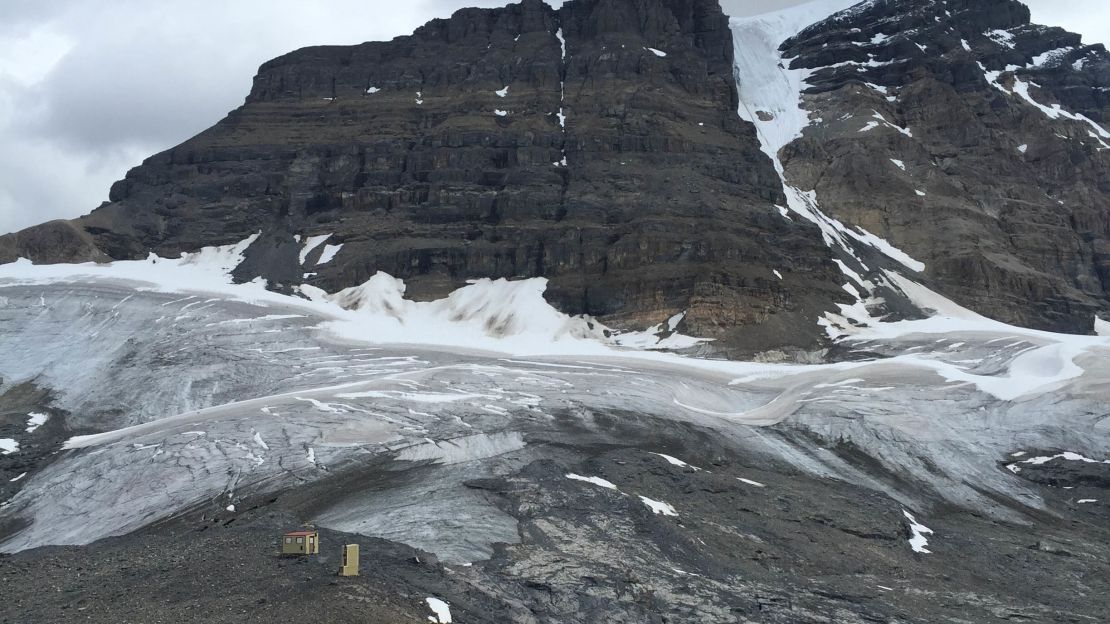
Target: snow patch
<point>750,482</point>
<point>918,541</point>
<point>1002,37</point>
<point>889,250</point>
<point>1048,365</point>
<point>770,99</point>
<point>674,461</point>
<point>673,322</point>
<point>1044,459</point>
<point>35,420</point>
<point>764,84</point>
<point>1102,328</point>
<point>8,446</point>
<point>877,115</point>
<point>310,243</point>
<point>329,253</point>
<point>658,53</point>
<point>659,507</point>
<point>1050,56</point>
<point>207,270</point>
<point>513,311</point>
<point>502,315</point>
<point>441,610</point>
<point>1055,111</point>
<point>658,336</point>
<point>594,480</point>
<point>503,92</point>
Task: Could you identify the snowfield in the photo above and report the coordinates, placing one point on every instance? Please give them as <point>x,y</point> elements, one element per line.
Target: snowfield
<point>198,397</point>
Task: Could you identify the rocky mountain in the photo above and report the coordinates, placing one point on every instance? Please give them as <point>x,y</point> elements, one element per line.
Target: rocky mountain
<point>971,139</point>
<point>451,297</point>
<point>598,146</point>
<point>517,142</point>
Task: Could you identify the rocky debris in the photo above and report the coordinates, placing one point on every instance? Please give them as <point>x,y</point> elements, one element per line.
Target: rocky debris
<point>1064,473</point>
<point>938,133</point>
<point>798,549</point>
<point>1074,482</point>
<point>189,571</point>
<point>28,419</point>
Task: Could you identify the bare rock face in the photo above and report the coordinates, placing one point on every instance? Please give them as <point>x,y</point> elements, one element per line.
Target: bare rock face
<point>51,242</point>
<point>599,146</point>
<point>943,136</point>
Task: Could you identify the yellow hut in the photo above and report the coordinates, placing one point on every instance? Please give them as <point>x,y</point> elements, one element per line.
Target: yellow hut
<point>300,543</point>
<point>350,561</point>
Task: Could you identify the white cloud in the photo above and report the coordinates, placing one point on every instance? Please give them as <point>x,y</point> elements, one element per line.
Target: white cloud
<point>1091,18</point>
<point>87,89</point>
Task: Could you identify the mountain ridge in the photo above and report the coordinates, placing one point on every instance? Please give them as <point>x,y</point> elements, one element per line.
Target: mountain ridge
<point>1033,252</point>
<point>665,204</point>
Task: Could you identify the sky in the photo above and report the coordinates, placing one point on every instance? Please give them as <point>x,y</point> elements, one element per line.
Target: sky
<point>90,89</point>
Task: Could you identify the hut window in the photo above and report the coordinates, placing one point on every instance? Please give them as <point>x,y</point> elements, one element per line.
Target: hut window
<point>289,540</point>
<point>300,540</point>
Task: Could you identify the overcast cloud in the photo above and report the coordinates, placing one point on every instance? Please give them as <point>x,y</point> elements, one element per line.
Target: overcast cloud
<point>89,89</point>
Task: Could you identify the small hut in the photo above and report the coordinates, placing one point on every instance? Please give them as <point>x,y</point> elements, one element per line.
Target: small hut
<point>350,561</point>
<point>300,543</point>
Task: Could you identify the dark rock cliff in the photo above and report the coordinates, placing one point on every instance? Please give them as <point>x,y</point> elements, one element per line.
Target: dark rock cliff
<point>598,146</point>
<point>1005,199</point>
<point>651,198</point>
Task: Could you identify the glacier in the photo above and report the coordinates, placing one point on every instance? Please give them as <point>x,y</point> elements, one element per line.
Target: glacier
<point>184,391</point>
<point>202,390</point>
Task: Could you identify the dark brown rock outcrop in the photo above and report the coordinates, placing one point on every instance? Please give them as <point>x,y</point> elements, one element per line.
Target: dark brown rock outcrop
<point>652,199</point>
<point>598,146</point>
<point>1006,202</point>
